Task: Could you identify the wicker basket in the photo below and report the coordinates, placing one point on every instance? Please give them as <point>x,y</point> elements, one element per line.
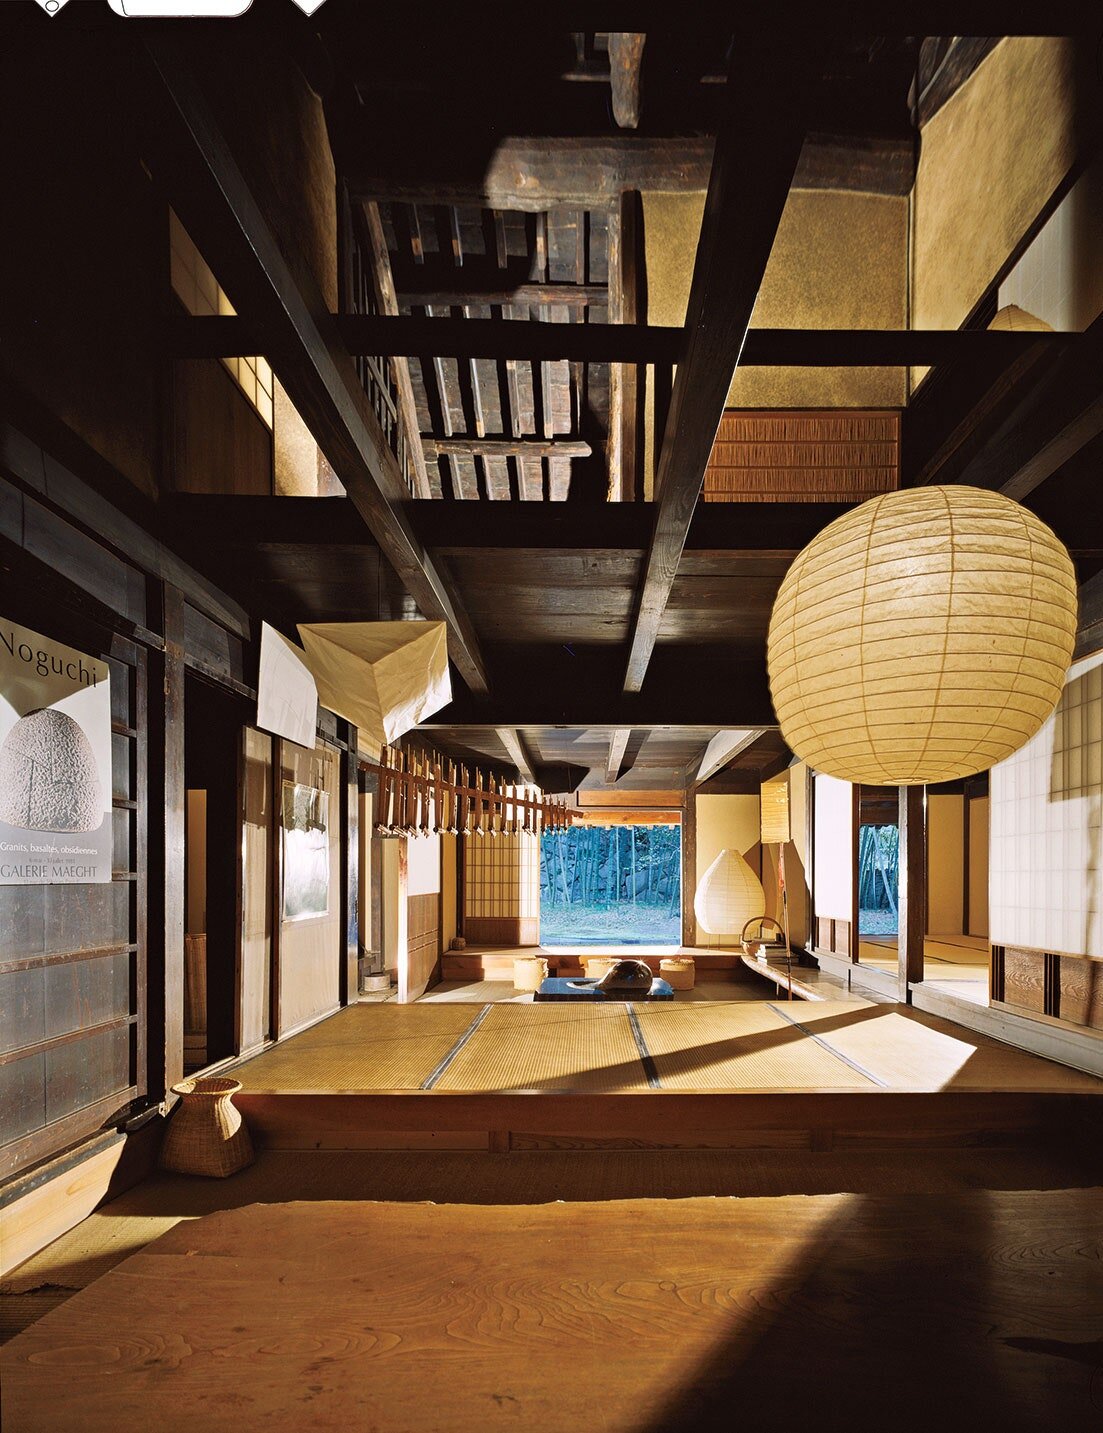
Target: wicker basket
<point>598,965</point>
<point>529,972</point>
<point>678,971</point>
<point>207,1135</point>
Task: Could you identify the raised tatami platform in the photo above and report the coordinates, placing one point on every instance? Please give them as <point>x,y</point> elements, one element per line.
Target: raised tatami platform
<point>765,1072</point>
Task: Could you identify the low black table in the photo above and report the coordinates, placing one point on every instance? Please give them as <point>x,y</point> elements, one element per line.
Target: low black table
<point>558,987</point>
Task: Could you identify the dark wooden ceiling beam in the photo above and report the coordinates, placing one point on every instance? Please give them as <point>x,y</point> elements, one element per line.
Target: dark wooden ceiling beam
<point>377,335</point>
<point>216,201</point>
<point>756,156</point>
<point>1040,412</point>
<point>725,529</point>
<point>548,687</point>
<point>590,172</point>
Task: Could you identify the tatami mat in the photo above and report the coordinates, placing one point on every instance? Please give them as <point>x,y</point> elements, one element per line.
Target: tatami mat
<point>548,1048</point>
<point>739,1047</point>
<point>366,1047</point>
<point>920,1052</point>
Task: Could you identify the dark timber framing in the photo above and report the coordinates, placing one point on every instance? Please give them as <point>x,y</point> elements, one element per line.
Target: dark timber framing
<point>768,94</point>
<point>313,366</point>
<point>627,342</point>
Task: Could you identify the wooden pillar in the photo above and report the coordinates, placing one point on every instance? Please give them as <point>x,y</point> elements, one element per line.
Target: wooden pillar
<point>913,882</point>
<point>350,867</point>
<point>372,937</point>
<point>402,921</point>
<point>166,852</point>
<point>854,944</point>
<point>689,868</point>
<point>625,235</point>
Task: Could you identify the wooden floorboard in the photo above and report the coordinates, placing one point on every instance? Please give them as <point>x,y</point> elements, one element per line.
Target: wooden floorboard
<point>662,1316</point>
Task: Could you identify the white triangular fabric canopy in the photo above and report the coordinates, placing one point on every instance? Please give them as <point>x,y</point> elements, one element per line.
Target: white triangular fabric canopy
<point>384,677</point>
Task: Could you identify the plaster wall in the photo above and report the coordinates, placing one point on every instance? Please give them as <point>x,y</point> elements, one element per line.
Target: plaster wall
<point>839,261</point>
<point>726,823</point>
<point>990,160</point>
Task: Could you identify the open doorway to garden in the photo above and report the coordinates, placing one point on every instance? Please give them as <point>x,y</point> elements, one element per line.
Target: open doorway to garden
<point>614,885</point>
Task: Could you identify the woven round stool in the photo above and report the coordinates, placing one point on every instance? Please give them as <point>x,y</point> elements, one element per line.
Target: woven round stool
<point>598,965</point>
<point>678,971</point>
<point>529,972</point>
<point>206,1134</point>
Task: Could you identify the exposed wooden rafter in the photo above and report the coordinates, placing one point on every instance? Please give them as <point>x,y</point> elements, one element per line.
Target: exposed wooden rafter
<point>618,744</point>
<point>767,98</point>
<point>217,202</point>
<point>519,753</point>
<point>471,445</point>
<point>384,286</point>
<point>625,64</point>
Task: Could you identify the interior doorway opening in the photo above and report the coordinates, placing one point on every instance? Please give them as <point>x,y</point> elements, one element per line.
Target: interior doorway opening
<point>611,885</point>
<point>213,721</point>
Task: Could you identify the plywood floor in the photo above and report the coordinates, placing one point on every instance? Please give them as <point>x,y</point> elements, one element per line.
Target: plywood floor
<point>647,1316</point>
<point>763,1046</point>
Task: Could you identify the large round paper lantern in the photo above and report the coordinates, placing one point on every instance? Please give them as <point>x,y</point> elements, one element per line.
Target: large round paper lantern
<point>730,894</point>
<point>922,637</point>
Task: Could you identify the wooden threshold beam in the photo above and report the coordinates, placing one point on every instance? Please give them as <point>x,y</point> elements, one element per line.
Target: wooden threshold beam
<point>618,745</point>
<point>216,201</point>
<point>375,335</point>
<point>590,172</point>
<point>756,156</point>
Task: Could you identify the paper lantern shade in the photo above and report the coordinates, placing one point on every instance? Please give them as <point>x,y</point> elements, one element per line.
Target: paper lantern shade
<point>1012,319</point>
<point>384,677</point>
<point>48,775</point>
<point>729,895</point>
<point>921,637</point>
<point>774,811</point>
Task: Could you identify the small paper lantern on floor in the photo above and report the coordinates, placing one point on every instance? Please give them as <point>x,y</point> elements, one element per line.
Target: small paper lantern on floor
<point>730,894</point>
<point>922,637</point>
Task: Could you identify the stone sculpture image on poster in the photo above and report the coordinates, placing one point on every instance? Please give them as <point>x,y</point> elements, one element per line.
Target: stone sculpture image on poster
<point>55,762</point>
<point>305,852</point>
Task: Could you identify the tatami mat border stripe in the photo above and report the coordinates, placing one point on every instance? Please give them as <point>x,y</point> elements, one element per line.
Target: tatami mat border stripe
<point>650,1069</point>
<point>824,1044</point>
<point>435,1075</point>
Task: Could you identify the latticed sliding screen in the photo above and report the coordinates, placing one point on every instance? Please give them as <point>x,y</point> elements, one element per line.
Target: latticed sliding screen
<point>503,876</point>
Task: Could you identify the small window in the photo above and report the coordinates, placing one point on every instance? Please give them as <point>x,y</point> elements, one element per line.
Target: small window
<point>199,291</point>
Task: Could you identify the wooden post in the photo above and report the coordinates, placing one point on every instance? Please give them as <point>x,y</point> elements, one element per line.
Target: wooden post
<point>854,943</point>
<point>913,880</point>
<point>350,871</point>
<point>166,905</point>
<point>689,868</point>
<point>402,923</point>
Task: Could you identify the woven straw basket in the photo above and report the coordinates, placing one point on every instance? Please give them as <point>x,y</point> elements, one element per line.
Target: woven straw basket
<point>598,965</point>
<point>678,971</point>
<point>207,1135</point>
<point>529,971</point>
